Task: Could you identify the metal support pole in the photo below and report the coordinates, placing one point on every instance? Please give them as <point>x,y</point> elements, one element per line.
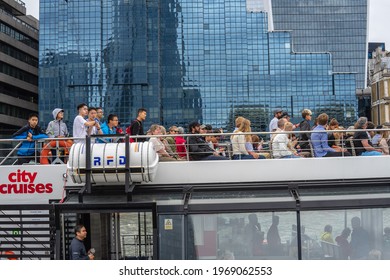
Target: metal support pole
<point>88,170</point>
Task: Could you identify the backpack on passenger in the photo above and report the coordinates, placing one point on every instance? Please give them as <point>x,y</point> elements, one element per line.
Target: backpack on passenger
<point>128,130</point>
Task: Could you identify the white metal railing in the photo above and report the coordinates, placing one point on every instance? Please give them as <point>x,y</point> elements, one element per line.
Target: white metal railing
<point>219,143</point>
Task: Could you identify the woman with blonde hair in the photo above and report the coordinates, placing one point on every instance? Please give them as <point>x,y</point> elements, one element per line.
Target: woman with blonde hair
<point>239,140</point>
<point>238,122</point>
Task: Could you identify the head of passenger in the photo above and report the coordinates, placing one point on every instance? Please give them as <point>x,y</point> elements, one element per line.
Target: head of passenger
<point>58,114</point>
<point>33,120</point>
<point>346,232</point>
<point>155,129</point>
<point>80,232</point>
<point>355,222</point>
<point>194,128</point>
<point>281,123</point>
<point>306,114</point>
<point>286,116</point>
<point>328,228</point>
<point>180,130</point>
<point>361,123</point>
<point>112,120</point>
<point>323,119</point>
<point>288,126</point>
<point>99,113</point>
<point>238,121</point>
<point>256,142</point>
<point>244,126</point>
<point>92,113</point>
<point>82,109</point>
<point>141,114</point>
<point>173,130</point>
<point>278,113</point>
<point>333,124</point>
<point>208,128</point>
<point>384,134</point>
<point>163,130</point>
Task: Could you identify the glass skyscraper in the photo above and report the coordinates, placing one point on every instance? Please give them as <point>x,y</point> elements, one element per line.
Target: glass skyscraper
<point>335,26</point>
<point>183,60</point>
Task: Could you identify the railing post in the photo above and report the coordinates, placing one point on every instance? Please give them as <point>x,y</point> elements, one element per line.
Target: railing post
<point>88,170</point>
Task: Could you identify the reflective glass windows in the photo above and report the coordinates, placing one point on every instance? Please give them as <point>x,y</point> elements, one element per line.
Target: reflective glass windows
<point>335,26</point>
<point>256,235</point>
<point>183,60</point>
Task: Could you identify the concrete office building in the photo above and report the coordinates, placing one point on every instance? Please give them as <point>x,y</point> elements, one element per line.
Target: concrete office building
<point>18,66</point>
<point>185,60</point>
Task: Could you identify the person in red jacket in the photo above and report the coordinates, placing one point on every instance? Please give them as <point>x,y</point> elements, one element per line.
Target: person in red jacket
<point>181,143</point>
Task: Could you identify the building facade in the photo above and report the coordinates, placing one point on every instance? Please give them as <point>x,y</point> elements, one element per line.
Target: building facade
<point>379,78</point>
<point>335,26</point>
<point>18,66</point>
<point>183,60</point>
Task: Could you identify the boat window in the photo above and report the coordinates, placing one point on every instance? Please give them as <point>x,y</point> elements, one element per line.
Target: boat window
<point>230,236</point>
<point>346,234</point>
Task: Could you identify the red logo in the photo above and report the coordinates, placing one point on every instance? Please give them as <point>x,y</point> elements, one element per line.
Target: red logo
<point>23,182</point>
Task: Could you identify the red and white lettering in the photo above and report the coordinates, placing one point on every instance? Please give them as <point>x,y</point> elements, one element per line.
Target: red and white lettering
<point>23,182</point>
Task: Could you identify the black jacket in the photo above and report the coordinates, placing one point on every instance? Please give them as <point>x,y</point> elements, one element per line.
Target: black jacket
<point>198,148</point>
<point>304,126</point>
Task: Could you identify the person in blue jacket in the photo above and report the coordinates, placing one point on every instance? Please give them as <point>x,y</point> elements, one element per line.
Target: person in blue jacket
<point>109,128</point>
<point>31,132</point>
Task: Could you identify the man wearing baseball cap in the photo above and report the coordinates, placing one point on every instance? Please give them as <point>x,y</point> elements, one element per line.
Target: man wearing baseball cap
<point>273,125</point>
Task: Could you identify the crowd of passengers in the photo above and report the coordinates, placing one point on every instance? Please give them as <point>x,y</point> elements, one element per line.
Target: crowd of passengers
<point>321,140</point>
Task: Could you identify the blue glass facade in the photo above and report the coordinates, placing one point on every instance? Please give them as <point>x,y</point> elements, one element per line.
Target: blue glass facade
<point>335,26</point>
<point>183,60</point>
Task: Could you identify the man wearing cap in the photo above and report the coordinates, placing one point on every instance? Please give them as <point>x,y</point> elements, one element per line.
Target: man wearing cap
<point>273,125</point>
<point>56,129</point>
<point>198,147</point>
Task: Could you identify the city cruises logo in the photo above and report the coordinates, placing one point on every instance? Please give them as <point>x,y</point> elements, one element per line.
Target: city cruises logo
<point>24,182</point>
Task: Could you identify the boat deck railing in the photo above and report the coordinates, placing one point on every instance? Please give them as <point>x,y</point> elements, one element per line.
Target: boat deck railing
<point>53,151</point>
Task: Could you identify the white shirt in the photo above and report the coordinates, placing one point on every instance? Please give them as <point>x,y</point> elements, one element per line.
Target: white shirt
<point>238,144</point>
<point>280,146</point>
<point>79,129</point>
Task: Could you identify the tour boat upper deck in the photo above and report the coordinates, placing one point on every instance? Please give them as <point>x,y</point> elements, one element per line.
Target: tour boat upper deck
<point>136,208</point>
